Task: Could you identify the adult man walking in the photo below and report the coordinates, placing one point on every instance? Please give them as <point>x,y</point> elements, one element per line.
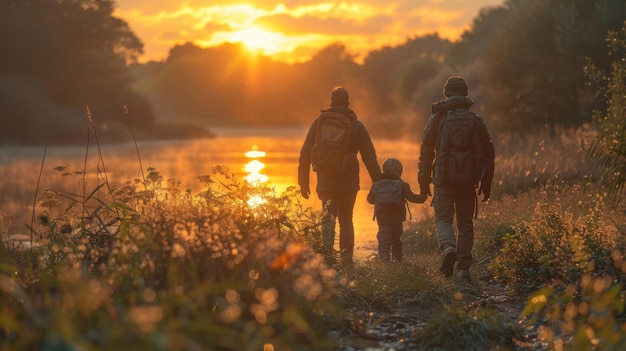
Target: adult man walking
<point>331,146</point>
<point>457,155</point>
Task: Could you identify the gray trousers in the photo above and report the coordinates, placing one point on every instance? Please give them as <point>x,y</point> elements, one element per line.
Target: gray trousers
<point>338,206</point>
<point>389,243</point>
<point>456,203</point>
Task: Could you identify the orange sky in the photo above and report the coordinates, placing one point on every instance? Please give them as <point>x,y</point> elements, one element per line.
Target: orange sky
<point>292,30</point>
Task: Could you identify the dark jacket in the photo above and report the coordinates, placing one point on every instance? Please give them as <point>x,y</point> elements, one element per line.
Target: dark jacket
<point>360,143</point>
<point>431,135</point>
<point>394,216</point>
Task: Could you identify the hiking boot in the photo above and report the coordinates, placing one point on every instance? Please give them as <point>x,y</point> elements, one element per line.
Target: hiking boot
<point>448,259</point>
<point>346,259</point>
<point>464,274</point>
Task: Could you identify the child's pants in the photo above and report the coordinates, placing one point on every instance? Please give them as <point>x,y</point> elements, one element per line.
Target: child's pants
<point>389,243</point>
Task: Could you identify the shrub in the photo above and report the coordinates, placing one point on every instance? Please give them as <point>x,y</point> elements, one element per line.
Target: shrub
<point>155,267</point>
<point>610,144</point>
<point>559,244</point>
<point>586,315</point>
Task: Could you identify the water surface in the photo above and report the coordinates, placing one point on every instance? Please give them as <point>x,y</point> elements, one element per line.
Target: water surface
<point>276,163</point>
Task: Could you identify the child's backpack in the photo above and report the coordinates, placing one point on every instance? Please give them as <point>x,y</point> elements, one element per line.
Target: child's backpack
<point>458,153</point>
<point>332,139</point>
<point>388,195</point>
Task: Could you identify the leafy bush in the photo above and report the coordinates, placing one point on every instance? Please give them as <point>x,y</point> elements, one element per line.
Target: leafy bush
<point>587,315</point>
<point>155,267</point>
<point>558,245</point>
<point>610,143</point>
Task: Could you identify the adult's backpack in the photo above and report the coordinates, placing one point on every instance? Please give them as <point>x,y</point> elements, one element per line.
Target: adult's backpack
<point>458,153</point>
<point>388,195</point>
<point>332,138</point>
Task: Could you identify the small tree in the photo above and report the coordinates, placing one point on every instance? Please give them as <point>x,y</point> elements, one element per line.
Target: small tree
<point>610,143</point>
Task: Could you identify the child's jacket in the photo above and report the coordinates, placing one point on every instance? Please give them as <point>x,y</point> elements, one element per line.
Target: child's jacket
<point>394,214</point>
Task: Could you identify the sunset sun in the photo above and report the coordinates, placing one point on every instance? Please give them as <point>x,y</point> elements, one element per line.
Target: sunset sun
<point>258,39</point>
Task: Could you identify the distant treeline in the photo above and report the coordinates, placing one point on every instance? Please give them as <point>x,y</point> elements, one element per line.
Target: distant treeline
<point>524,61</point>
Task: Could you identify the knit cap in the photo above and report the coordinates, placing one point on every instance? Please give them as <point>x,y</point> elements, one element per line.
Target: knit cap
<point>339,97</point>
<point>393,166</point>
<point>455,85</point>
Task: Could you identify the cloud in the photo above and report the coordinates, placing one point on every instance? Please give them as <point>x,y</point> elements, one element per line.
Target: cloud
<point>333,26</point>
<point>362,26</point>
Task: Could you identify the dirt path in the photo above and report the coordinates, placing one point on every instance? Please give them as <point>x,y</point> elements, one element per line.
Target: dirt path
<point>396,330</point>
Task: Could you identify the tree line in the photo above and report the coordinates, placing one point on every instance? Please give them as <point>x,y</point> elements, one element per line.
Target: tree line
<point>524,61</point>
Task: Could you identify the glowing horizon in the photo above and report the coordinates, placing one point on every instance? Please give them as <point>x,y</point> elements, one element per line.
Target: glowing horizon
<point>293,31</point>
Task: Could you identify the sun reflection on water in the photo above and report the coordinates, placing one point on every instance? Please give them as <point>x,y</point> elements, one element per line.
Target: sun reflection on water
<point>254,167</point>
<point>255,153</point>
<point>254,176</point>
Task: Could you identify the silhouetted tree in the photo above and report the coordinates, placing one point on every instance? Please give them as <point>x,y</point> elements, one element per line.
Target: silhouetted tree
<point>523,60</point>
<point>474,41</point>
<point>393,74</point>
<point>228,85</point>
<point>63,55</point>
<point>534,65</point>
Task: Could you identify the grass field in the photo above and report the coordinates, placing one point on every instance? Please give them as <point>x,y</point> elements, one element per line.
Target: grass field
<point>144,261</point>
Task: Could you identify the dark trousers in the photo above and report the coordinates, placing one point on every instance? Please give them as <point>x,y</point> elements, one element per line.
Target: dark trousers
<point>389,243</point>
<point>450,204</point>
<point>338,205</point>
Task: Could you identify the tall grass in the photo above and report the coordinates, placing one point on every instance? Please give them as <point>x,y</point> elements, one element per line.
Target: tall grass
<point>151,264</point>
<point>175,271</point>
<point>530,161</point>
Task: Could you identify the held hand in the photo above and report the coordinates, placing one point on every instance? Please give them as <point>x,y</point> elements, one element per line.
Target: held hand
<point>485,190</point>
<point>425,190</point>
<point>424,181</point>
<point>305,191</point>
<point>423,198</point>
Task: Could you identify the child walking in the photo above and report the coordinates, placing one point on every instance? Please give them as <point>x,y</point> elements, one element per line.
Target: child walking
<point>389,195</point>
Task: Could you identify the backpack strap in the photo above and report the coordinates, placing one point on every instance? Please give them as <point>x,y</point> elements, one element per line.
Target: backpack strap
<point>442,119</point>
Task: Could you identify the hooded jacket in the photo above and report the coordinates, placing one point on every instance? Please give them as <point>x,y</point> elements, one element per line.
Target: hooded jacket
<point>360,142</point>
<point>431,135</point>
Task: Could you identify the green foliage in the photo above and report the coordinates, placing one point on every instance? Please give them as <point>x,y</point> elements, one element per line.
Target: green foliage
<point>559,244</point>
<point>586,315</point>
<point>469,329</point>
<point>160,268</point>
<point>534,66</point>
<point>610,144</point>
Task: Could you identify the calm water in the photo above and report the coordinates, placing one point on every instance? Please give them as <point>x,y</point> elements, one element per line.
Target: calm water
<point>275,162</point>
